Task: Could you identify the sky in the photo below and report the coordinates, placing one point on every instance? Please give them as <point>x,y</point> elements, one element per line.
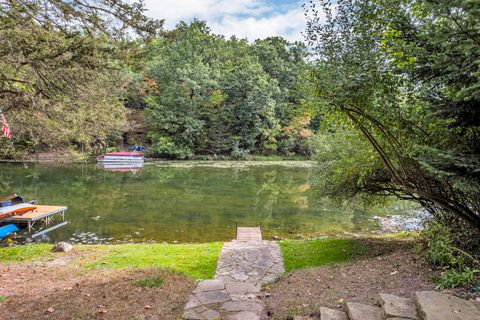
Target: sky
<point>251,19</point>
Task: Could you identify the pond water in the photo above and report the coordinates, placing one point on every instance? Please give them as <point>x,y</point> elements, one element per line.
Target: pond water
<point>187,201</point>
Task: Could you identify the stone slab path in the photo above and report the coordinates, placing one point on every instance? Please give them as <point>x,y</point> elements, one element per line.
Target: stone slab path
<point>250,261</point>
<point>234,294</point>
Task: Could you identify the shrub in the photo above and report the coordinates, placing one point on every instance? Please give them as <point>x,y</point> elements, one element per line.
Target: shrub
<point>460,268</point>
<point>163,146</point>
<point>453,278</point>
<point>237,152</point>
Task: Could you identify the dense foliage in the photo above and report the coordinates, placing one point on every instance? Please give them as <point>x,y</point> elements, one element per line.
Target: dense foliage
<point>80,74</point>
<point>404,78</point>
<point>216,96</point>
<point>63,66</point>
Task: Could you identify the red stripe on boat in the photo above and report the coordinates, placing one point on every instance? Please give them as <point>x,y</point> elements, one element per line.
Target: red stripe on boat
<point>122,154</point>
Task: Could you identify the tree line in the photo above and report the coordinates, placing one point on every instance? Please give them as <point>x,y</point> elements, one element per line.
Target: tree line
<point>220,96</point>
<point>77,76</point>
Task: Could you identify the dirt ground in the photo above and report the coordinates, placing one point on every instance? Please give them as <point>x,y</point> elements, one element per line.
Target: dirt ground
<point>303,292</point>
<point>57,291</point>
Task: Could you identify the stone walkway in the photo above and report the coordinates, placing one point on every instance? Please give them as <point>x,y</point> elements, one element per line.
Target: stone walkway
<point>250,261</point>
<point>234,294</point>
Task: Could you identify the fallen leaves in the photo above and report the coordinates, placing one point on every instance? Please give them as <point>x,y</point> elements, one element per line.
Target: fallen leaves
<point>101,309</point>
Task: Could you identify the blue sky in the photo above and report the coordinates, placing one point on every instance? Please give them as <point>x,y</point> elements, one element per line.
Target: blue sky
<point>251,19</point>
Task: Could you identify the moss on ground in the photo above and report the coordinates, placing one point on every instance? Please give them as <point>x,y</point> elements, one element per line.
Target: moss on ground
<point>313,253</point>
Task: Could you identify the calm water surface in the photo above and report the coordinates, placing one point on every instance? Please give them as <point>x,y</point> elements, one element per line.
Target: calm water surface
<point>186,202</point>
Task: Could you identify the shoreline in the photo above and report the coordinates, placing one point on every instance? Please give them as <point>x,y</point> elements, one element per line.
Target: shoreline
<point>354,236</point>
<point>154,160</point>
<point>74,157</point>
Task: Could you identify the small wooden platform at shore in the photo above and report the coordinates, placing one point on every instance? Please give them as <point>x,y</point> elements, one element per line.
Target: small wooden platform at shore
<point>41,213</point>
<point>249,234</point>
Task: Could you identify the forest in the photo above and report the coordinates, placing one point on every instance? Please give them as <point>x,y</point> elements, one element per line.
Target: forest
<point>384,94</point>
<point>181,92</point>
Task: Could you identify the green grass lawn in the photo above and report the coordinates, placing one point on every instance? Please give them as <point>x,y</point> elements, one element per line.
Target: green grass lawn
<point>26,253</point>
<point>313,253</point>
<point>198,261</point>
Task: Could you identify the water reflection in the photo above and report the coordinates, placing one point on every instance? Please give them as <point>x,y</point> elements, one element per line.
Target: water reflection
<point>188,203</point>
<point>131,167</point>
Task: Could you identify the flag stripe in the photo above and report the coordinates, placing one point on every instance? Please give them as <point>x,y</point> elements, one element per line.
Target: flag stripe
<point>5,128</point>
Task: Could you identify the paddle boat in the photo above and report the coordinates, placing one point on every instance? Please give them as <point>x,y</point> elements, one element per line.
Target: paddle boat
<point>8,230</point>
<point>17,213</point>
<point>121,157</point>
<point>16,209</point>
<point>11,206</point>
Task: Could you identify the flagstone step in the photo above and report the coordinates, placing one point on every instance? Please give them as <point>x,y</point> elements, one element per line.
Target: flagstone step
<point>434,305</point>
<point>360,311</point>
<point>303,318</point>
<point>397,307</point>
<point>332,314</point>
<point>427,305</point>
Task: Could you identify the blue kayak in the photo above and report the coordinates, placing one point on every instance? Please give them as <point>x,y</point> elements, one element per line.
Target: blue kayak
<point>8,230</point>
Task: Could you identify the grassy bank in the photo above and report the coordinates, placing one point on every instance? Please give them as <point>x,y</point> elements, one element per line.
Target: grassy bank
<point>314,253</point>
<point>197,261</point>
<point>26,253</point>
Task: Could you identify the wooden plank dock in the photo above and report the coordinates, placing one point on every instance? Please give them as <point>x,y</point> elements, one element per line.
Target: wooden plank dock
<point>41,213</point>
<point>249,234</point>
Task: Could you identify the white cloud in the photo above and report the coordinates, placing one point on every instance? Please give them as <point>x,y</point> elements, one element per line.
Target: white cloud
<point>288,25</point>
<point>251,19</point>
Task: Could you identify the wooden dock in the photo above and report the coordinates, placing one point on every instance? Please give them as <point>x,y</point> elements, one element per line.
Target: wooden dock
<point>43,214</point>
<point>249,234</point>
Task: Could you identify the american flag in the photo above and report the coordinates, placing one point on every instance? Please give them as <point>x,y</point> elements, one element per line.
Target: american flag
<point>5,128</point>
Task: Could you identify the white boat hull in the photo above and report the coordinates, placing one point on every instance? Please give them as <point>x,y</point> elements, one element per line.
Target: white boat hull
<point>120,165</point>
